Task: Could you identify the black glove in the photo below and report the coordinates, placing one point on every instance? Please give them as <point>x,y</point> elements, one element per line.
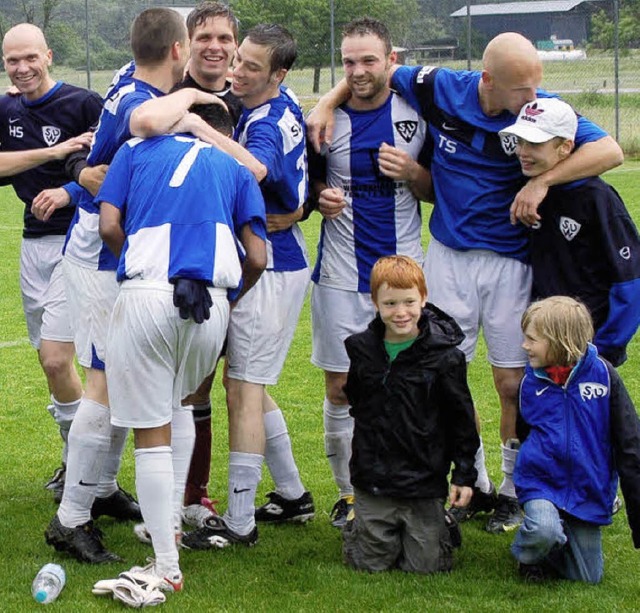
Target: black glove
<point>192,298</point>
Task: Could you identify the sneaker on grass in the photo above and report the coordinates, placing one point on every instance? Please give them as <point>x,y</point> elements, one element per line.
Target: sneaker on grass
<point>194,515</point>
<point>280,509</point>
<point>340,512</point>
<point>83,542</point>
<point>215,534</point>
<point>140,586</point>
<point>142,534</point>
<point>507,516</point>
<point>481,502</point>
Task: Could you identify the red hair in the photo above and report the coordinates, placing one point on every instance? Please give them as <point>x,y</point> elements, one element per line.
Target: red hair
<point>398,272</point>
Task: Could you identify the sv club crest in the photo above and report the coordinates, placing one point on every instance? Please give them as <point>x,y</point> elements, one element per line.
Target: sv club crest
<point>407,129</point>
<point>569,227</point>
<point>508,142</point>
<point>51,135</point>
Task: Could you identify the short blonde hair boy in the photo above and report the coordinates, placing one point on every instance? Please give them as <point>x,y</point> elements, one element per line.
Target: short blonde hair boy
<point>565,323</point>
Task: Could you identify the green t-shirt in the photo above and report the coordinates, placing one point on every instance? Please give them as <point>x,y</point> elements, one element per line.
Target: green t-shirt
<point>393,349</point>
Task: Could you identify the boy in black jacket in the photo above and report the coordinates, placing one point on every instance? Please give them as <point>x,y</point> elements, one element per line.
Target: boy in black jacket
<point>413,413</point>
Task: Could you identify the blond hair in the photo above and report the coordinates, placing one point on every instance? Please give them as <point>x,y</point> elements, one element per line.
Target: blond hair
<point>398,272</point>
<point>565,323</point>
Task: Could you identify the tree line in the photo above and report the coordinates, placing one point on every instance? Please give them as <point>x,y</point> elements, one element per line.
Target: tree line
<point>412,22</point>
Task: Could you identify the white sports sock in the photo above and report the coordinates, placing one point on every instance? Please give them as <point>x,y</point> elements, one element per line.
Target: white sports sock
<point>155,488</point>
<point>509,455</point>
<point>483,483</point>
<point>63,413</point>
<point>279,456</point>
<point>245,471</point>
<point>108,479</point>
<point>89,438</point>
<point>338,432</point>
<point>183,436</point>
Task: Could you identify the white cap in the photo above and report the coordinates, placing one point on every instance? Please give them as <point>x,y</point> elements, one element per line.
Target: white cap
<point>543,119</point>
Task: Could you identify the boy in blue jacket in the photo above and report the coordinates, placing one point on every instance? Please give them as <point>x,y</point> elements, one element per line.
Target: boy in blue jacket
<point>579,432</point>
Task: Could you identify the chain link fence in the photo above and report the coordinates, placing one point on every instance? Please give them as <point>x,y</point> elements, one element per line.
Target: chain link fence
<point>576,39</point>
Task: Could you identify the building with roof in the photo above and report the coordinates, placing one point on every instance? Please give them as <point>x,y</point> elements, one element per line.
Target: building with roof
<point>538,20</point>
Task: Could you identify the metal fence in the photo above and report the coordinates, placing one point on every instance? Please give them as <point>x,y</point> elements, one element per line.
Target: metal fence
<point>603,84</point>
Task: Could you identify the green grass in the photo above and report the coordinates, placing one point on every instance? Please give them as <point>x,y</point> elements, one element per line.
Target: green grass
<point>293,568</point>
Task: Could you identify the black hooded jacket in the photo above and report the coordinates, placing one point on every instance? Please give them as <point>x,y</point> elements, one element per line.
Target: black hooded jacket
<point>413,416</point>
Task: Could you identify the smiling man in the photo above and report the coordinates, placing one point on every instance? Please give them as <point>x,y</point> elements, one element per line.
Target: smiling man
<point>263,322</point>
<point>46,113</point>
<point>365,183</point>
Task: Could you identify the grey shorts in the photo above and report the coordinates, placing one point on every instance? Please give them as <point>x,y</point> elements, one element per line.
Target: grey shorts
<point>405,533</point>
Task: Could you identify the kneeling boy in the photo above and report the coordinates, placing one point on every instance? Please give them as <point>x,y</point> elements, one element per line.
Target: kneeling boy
<point>413,414</point>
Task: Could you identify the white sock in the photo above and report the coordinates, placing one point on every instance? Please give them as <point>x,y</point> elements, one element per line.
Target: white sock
<point>63,413</point>
<point>279,456</point>
<point>108,479</point>
<point>183,437</point>
<point>483,483</point>
<point>89,438</point>
<point>338,432</point>
<point>245,471</point>
<point>509,455</point>
<point>155,487</point>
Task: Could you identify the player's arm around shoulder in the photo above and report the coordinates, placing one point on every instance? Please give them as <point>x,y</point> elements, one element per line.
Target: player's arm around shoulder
<point>590,159</point>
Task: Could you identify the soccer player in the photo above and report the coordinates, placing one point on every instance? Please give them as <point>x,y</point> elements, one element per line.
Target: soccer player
<point>369,211</point>
<point>46,112</point>
<point>172,254</point>
<point>161,48</point>
<point>476,262</point>
<point>213,36</point>
<point>263,323</point>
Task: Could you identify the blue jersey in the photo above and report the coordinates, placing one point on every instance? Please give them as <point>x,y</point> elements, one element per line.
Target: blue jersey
<point>382,216</point>
<point>183,204</point>
<point>274,133</point>
<point>476,174</point>
<point>84,245</point>
<point>63,112</point>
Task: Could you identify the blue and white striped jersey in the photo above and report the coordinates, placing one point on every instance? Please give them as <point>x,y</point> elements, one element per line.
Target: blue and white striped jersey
<point>84,245</point>
<point>274,133</point>
<point>183,204</point>
<point>382,216</point>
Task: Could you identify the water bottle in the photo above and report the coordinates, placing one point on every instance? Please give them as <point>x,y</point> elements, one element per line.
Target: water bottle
<point>48,583</point>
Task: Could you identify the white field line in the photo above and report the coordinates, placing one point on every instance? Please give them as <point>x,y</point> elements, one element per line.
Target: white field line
<point>16,343</point>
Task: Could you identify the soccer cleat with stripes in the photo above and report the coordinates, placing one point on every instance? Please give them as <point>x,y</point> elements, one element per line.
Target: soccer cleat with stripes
<point>280,509</point>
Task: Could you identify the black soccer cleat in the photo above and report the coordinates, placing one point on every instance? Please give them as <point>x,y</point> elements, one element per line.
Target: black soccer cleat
<point>481,502</point>
<point>341,509</point>
<point>120,505</point>
<point>279,509</point>
<point>215,534</point>
<point>56,483</point>
<point>83,542</point>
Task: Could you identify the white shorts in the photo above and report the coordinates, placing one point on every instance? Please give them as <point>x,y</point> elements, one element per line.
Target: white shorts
<point>155,358</point>
<point>480,288</point>
<point>336,314</point>
<point>262,325</point>
<point>44,298</point>
<point>91,295</point>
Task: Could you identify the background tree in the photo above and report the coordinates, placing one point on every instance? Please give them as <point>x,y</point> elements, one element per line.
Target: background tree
<point>309,21</point>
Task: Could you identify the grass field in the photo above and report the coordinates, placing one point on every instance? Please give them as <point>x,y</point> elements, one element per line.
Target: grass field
<point>293,568</point>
